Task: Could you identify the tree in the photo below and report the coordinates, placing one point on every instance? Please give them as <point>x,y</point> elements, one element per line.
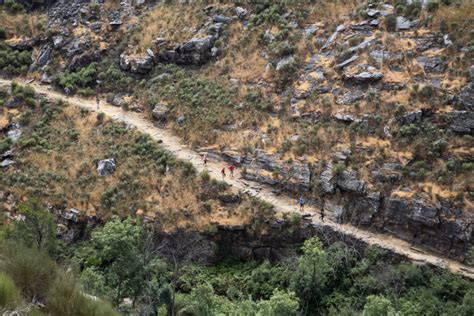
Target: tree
<point>182,247</point>
<point>36,229</point>
<point>119,256</point>
<point>310,277</point>
<point>378,306</point>
<point>280,304</point>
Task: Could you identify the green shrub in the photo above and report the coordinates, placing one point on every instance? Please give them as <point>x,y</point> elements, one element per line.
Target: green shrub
<point>13,62</point>
<point>81,79</point>
<point>432,5</point>
<point>32,271</point>
<point>338,169</point>
<point>9,293</point>
<point>66,298</point>
<point>13,6</point>
<point>391,23</point>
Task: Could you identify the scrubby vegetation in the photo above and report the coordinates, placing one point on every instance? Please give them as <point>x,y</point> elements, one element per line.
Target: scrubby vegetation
<point>370,93</point>
<point>14,62</point>
<point>121,260</point>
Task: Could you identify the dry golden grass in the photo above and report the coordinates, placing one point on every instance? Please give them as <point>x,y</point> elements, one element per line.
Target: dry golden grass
<point>172,199</point>
<point>175,23</point>
<point>22,24</point>
<point>457,17</point>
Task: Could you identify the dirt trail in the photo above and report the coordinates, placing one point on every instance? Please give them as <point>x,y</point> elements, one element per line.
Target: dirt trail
<point>281,203</point>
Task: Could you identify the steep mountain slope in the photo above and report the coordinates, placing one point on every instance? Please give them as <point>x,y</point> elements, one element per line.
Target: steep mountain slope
<point>364,110</point>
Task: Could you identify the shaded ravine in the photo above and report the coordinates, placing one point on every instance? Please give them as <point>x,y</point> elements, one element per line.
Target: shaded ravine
<point>281,203</point>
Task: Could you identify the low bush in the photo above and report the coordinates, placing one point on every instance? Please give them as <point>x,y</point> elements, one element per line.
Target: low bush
<point>338,169</point>
<point>9,293</point>
<point>391,23</point>
<point>13,62</point>
<point>82,79</point>
<point>13,6</point>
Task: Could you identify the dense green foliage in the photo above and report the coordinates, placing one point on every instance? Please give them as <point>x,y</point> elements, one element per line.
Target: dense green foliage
<point>82,80</point>
<point>122,260</point>
<point>14,62</point>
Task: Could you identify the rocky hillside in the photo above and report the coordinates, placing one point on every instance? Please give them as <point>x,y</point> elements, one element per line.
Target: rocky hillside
<point>366,108</point>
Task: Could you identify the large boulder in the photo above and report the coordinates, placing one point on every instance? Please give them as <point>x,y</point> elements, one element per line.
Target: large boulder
<point>83,60</point>
<point>466,96</point>
<point>462,122</point>
<point>106,167</point>
<point>424,211</point>
<point>348,182</point>
<point>411,117</point>
<point>432,64</point>
<point>269,169</point>
<point>44,56</point>
<point>160,112</point>
<point>197,51</point>
<point>285,62</point>
<point>20,43</point>
<point>140,64</point>
<point>327,179</point>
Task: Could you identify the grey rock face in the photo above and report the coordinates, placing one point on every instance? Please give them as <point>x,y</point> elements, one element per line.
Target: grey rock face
<point>466,96</point>
<point>160,112</point>
<point>346,118</point>
<point>350,97</point>
<point>240,12</point>
<point>270,170</point>
<point>373,13</point>
<point>44,56</point>
<point>337,213</point>
<point>195,52</point>
<point>106,167</point>
<point>136,64</point>
<point>124,62</point>
<point>14,134</point>
<point>365,44</point>
<point>424,211</point>
<point>21,44</point>
<point>141,65</point>
<point>403,23</point>
<point>333,37</point>
<point>180,120</point>
<point>433,64</point>
<point>58,41</point>
<point>7,162</point>
<point>348,181</point>
<point>222,19</point>
<point>119,99</point>
<point>347,62</point>
<point>364,77</point>
<point>327,179</point>
<point>462,122</point>
<point>83,60</point>
<point>411,117</point>
<point>363,209</point>
<point>284,62</point>
<point>390,172</point>
<point>45,79</point>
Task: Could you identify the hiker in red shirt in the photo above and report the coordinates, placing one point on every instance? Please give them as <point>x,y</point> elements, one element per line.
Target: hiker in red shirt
<point>223,173</point>
<point>231,169</point>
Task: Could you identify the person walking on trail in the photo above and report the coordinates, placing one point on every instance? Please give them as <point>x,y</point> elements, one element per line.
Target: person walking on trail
<point>301,203</point>
<point>205,160</point>
<point>223,173</point>
<point>231,169</point>
<point>321,211</point>
<point>97,100</point>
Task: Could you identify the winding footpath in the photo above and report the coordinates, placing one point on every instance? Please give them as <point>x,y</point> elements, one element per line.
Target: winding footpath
<point>281,203</point>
